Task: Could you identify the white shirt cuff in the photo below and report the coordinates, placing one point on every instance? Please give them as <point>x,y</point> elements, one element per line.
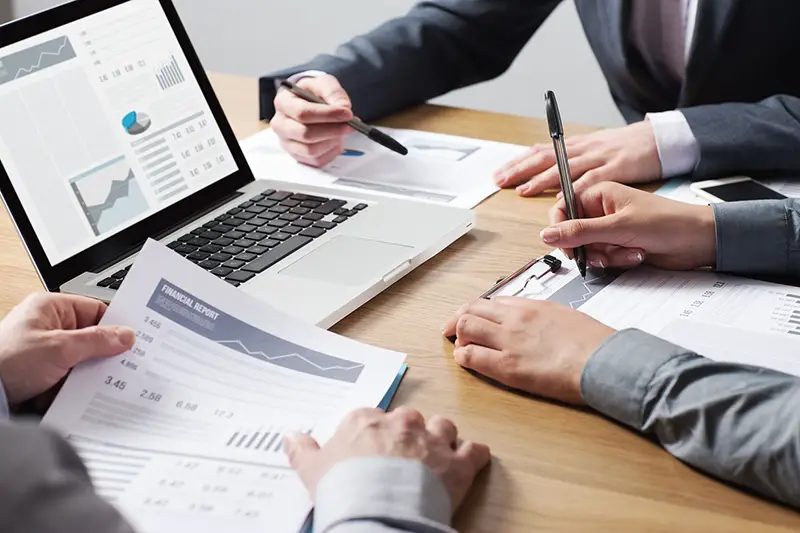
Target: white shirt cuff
<point>678,149</point>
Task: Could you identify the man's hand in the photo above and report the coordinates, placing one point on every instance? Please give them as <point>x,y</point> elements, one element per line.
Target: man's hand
<point>622,227</point>
<point>48,334</point>
<point>402,433</point>
<point>626,155</point>
<point>531,345</point>
<point>313,133</point>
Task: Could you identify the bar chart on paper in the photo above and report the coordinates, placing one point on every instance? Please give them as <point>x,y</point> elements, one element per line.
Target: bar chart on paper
<point>262,440</point>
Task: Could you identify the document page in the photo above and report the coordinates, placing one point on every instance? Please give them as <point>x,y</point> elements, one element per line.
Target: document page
<point>440,169</point>
<point>184,431</point>
<point>725,318</point>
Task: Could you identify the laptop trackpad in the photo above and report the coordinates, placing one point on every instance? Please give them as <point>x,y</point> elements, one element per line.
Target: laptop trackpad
<point>349,261</point>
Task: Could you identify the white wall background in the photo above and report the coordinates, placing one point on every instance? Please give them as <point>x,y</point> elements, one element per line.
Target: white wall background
<point>252,37</point>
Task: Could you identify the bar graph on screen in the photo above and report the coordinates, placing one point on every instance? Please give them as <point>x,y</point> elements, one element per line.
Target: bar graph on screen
<point>169,74</point>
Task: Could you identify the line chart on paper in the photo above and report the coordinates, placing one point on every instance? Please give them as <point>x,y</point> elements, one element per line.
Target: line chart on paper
<point>251,341</point>
<point>291,360</point>
<point>579,291</point>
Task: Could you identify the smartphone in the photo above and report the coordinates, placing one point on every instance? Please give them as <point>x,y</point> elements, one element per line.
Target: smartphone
<point>734,190</point>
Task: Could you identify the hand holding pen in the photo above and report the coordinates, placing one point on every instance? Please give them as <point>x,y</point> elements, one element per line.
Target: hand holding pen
<point>313,117</point>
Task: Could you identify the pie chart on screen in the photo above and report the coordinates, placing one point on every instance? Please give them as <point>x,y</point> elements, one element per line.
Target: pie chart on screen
<point>136,123</point>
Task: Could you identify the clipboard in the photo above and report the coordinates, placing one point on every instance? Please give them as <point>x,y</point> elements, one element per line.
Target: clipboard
<point>538,269</point>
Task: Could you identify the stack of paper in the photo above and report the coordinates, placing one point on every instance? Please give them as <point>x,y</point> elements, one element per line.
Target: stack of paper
<point>184,431</point>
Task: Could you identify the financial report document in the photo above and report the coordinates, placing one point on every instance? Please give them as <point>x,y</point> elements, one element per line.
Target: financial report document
<point>441,169</point>
<point>722,317</point>
<point>184,431</point>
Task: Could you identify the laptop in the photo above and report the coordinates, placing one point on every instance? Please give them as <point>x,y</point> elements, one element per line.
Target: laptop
<point>110,134</point>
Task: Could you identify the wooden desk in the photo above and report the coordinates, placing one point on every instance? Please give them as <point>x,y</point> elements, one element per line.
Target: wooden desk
<point>556,469</point>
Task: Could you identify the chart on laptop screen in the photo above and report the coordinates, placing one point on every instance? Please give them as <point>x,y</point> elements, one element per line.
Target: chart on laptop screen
<point>102,124</point>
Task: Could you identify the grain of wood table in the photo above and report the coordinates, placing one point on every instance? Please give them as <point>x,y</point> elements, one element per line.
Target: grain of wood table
<point>555,469</point>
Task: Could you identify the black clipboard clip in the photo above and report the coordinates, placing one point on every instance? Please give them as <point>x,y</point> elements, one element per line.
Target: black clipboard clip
<point>538,268</point>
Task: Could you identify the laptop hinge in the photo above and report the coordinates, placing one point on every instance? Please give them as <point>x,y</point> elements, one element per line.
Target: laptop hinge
<point>171,229</point>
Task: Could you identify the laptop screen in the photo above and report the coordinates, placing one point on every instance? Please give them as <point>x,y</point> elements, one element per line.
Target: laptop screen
<point>102,124</point>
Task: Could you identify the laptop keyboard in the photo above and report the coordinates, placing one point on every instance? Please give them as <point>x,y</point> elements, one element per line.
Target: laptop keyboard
<point>257,234</point>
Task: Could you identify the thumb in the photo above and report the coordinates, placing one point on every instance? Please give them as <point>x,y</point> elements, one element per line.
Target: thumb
<point>329,89</point>
<point>586,231</point>
<point>299,447</point>
<point>97,341</point>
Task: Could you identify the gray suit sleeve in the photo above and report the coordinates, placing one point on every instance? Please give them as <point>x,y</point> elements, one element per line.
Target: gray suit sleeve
<point>737,423</point>
<point>747,138</point>
<point>45,487</point>
<point>381,495</point>
<point>759,237</point>
<point>439,46</point>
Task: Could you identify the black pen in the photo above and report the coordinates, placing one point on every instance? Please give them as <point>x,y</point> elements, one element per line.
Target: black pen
<point>557,134</point>
<point>373,133</point>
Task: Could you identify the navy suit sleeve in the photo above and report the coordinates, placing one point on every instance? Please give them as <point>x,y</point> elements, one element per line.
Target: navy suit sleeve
<point>755,138</point>
<point>439,46</point>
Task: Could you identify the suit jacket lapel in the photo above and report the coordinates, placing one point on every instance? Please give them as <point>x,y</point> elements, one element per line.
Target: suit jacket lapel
<point>713,19</point>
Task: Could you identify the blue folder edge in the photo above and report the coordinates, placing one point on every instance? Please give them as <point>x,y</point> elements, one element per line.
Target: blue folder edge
<point>384,405</point>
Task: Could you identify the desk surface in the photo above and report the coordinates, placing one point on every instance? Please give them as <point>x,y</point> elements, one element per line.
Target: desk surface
<point>555,469</point>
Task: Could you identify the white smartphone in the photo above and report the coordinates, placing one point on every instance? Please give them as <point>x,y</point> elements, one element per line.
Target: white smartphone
<point>734,189</point>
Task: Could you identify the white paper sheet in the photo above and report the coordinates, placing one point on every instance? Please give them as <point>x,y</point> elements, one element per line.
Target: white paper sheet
<point>725,318</point>
<point>183,432</point>
<point>441,169</point>
<point>721,317</point>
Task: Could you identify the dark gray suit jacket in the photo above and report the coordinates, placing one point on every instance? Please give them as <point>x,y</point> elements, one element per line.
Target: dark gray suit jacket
<point>740,94</point>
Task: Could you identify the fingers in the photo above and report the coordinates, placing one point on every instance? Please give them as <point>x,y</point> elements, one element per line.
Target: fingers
<point>534,161</point>
<point>625,257</point>
<point>479,307</point>
<point>94,342</point>
<point>299,447</point>
<point>444,429</point>
<point>473,329</point>
<point>476,454</point>
<point>550,178</point>
<point>328,88</point>
<point>573,233</point>
<point>74,312</point>
<point>410,418</point>
<point>309,133</point>
<point>317,154</point>
<point>590,178</point>
<point>304,112</point>
<point>479,358</point>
